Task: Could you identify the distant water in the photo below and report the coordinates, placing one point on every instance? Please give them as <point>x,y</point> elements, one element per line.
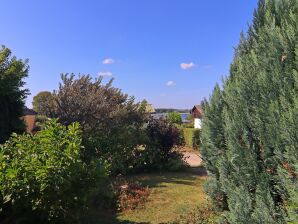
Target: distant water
<point>164,115</point>
<point>184,116</point>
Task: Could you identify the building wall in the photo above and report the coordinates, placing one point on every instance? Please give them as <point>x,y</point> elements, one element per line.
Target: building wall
<point>198,123</point>
<point>30,122</point>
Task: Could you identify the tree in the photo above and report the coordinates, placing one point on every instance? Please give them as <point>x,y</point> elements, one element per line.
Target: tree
<point>174,118</point>
<point>12,94</point>
<point>112,123</point>
<point>42,103</point>
<point>250,127</point>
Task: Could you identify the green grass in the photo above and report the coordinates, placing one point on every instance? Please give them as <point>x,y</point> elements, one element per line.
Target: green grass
<point>172,195</point>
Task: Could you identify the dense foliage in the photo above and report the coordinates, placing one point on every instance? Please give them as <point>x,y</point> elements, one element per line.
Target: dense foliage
<point>192,137</point>
<point>42,103</point>
<point>174,118</point>
<point>43,178</point>
<point>12,93</point>
<point>250,138</point>
<point>169,110</point>
<point>111,122</point>
<point>163,138</point>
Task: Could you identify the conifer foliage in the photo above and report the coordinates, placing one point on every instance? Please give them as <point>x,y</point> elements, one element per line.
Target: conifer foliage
<point>250,130</point>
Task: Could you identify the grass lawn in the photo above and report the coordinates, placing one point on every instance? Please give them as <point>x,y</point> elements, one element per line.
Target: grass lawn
<point>172,195</point>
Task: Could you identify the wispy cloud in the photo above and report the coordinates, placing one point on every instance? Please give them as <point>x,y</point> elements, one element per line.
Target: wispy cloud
<point>108,61</point>
<point>187,66</point>
<point>170,83</point>
<point>105,74</point>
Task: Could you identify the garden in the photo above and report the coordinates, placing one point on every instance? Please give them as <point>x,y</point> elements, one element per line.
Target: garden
<point>97,155</point>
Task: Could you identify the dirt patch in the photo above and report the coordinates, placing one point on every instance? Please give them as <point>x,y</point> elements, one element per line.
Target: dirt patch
<point>192,159</point>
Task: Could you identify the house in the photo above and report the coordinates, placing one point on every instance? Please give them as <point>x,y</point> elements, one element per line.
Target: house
<point>29,119</point>
<point>197,114</point>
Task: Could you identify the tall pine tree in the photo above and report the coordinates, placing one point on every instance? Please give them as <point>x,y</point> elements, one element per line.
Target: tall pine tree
<point>255,165</point>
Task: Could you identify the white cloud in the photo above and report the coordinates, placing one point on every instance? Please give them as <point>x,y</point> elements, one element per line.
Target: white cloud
<point>108,61</point>
<point>186,66</point>
<point>105,74</point>
<point>170,83</point>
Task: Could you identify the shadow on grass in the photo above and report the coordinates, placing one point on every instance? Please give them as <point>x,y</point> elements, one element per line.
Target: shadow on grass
<point>188,176</point>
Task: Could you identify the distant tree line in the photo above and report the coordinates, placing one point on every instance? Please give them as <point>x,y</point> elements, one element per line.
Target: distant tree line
<point>169,110</point>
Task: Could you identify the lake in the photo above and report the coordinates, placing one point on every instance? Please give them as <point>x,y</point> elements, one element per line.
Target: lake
<point>164,115</point>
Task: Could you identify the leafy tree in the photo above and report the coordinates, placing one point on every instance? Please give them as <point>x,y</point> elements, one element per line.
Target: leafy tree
<point>250,126</point>
<point>42,103</point>
<point>43,178</point>
<point>12,94</point>
<point>174,118</point>
<point>112,123</point>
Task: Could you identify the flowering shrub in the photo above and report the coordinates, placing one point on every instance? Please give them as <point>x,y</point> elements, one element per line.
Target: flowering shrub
<point>132,195</point>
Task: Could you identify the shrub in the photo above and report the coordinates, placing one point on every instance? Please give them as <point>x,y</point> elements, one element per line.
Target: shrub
<point>131,195</point>
<point>196,138</point>
<point>174,118</point>
<point>188,136</point>
<point>43,177</point>
<point>163,138</point>
<point>192,137</point>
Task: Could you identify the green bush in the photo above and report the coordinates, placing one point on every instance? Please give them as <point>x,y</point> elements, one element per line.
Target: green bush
<point>174,118</point>
<point>163,138</point>
<point>43,178</point>
<point>196,138</point>
<point>188,136</point>
<point>192,137</point>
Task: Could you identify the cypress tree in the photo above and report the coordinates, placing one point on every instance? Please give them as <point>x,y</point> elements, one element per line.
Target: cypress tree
<point>256,169</point>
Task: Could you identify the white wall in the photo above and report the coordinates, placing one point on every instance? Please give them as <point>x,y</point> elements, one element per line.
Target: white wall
<point>198,123</point>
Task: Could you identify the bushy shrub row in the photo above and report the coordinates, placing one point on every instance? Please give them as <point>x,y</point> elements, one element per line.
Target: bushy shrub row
<point>192,137</point>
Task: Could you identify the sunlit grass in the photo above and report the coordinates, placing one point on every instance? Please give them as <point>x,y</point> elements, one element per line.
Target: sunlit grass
<point>173,194</point>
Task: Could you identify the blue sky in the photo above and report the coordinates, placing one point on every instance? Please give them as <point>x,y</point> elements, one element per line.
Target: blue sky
<point>146,42</point>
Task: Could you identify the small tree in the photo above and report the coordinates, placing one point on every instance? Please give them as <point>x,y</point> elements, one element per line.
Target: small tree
<point>112,123</point>
<point>42,103</point>
<point>174,118</point>
<point>12,93</point>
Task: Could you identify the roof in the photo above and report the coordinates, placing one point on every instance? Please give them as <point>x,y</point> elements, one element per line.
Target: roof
<point>197,111</point>
<point>28,111</point>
